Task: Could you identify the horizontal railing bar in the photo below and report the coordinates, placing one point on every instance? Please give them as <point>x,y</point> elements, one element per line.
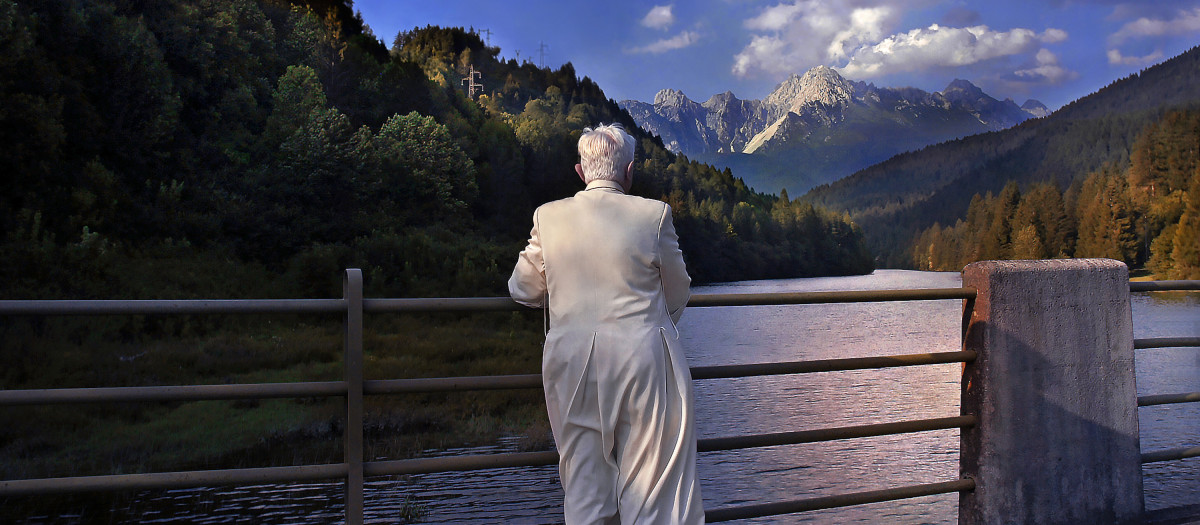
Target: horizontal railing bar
<point>441,304</point>
<point>465,304</point>
<point>435,384</point>
<point>846,296</point>
<point>830,365</point>
<point>170,307</point>
<point>1165,342</point>
<point>171,480</point>
<point>459,463</point>
<point>1165,399</point>
<point>535,459</point>
<point>1170,454</point>
<point>171,393</point>
<point>451,384</point>
<point>1163,286</point>
<point>842,500</point>
<point>832,434</point>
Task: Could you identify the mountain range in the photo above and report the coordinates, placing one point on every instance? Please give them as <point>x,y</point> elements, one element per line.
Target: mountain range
<point>818,127</point>
<point>895,200</point>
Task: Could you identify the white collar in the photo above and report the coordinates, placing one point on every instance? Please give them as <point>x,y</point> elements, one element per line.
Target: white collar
<point>601,184</point>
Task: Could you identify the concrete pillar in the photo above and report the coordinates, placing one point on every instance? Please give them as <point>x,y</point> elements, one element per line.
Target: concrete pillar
<point>1053,389</point>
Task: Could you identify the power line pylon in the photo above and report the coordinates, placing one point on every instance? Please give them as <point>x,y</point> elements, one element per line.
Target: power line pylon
<point>542,47</point>
<point>472,86</point>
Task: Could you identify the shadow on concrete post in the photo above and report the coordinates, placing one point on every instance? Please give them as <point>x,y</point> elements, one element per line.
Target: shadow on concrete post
<point>1053,389</point>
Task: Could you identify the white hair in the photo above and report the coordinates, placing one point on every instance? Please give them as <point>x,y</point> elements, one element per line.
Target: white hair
<point>605,151</point>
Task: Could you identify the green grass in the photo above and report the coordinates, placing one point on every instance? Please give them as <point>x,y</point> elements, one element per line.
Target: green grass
<point>50,441</point>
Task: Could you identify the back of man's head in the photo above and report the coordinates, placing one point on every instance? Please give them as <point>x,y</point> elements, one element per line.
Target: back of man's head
<point>605,152</point>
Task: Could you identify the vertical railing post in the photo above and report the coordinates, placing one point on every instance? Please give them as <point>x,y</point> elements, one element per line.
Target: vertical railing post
<point>352,291</point>
<point>1053,391</point>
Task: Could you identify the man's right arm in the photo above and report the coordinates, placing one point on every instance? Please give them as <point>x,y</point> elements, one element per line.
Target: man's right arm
<point>528,282</point>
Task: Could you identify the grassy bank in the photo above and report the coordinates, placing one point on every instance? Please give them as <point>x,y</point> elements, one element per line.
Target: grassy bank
<point>111,438</point>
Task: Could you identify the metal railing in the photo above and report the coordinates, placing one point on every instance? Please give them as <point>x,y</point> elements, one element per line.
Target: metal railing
<point>1178,453</point>
<point>353,469</point>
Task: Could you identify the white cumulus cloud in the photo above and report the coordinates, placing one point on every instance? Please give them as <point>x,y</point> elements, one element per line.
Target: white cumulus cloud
<point>865,38</point>
<point>776,17</point>
<point>1046,71</point>
<point>1116,58</point>
<point>937,46</point>
<point>1183,23</point>
<point>679,41</point>
<point>1052,35</point>
<point>794,36</point>
<point>659,17</point>
<point>866,25</point>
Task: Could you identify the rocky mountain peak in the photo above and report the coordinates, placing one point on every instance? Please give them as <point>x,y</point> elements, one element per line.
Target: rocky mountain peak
<point>670,97</point>
<point>1035,108</point>
<point>819,84</point>
<point>960,89</point>
<point>720,99</point>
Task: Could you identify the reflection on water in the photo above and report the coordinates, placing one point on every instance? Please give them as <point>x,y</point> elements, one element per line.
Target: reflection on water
<point>727,407</point>
<point>809,401</point>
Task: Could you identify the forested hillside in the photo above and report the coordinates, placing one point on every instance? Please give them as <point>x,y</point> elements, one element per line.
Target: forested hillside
<point>898,199</point>
<point>235,147</point>
<point>1146,213</point>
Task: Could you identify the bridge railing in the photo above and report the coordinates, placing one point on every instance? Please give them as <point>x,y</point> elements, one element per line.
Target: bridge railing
<point>353,469</point>
<point>353,387</point>
<point>1187,451</point>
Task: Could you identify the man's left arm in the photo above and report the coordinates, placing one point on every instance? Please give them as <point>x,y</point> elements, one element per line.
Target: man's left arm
<point>675,280</point>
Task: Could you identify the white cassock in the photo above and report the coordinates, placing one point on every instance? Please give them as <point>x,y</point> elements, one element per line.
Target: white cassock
<point>618,389</point>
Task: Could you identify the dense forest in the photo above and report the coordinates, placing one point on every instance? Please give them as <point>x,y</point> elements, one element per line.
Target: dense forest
<point>252,149</point>
<point>234,147</point>
<point>897,200</point>
<point>1147,214</point>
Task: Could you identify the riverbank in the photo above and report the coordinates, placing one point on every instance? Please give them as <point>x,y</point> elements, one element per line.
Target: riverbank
<point>80,440</point>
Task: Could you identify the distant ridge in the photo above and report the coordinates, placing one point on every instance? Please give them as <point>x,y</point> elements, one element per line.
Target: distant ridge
<point>903,195</point>
<point>819,126</point>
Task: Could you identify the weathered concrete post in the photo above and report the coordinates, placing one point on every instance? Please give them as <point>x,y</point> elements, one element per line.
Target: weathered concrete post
<point>1053,389</point>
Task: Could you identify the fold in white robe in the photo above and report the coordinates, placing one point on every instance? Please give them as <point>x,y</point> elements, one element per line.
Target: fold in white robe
<point>618,389</point>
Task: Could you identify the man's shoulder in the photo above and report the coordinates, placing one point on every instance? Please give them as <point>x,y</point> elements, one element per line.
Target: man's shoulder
<point>635,209</point>
<point>652,207</point>
<point>622,199</point>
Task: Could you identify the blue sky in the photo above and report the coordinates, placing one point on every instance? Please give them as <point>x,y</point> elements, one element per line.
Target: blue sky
<point>1054,50</point>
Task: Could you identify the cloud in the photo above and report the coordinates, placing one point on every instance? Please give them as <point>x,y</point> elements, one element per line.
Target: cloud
<point>679,41</point>
<point>1116,58</point>
<point>866,25</point>
<point>794,36</point>
<point>659,17</point>
<point>1184,22</point>
<point>776,17</point>
<point>1052,35</point>
<point>1046,71</point>
<point>763,52</point>
<point>937,46</point>
<point>865,37</point>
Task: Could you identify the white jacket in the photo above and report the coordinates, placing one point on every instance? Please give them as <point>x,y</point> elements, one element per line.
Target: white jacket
<point>618,389</point>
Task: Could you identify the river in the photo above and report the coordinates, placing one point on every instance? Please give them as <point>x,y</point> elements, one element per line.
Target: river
<point>727,407</point>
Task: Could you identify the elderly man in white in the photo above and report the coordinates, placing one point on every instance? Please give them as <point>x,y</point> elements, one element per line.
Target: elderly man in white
<point>618,389</point>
